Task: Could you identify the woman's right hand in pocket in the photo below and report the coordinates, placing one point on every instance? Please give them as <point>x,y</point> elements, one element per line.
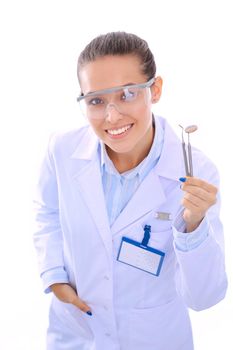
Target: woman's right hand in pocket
<point>64,292</point>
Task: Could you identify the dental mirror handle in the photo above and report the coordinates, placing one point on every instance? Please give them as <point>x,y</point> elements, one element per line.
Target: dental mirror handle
<point>185,159</point>
<point>190,160</point>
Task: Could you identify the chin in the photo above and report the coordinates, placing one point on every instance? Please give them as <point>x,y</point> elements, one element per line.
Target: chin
<point>121,149</point>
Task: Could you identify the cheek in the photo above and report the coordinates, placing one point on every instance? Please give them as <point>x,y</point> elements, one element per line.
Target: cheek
<point>97,127</point>
<point>144,117</point>
<point>145,108</point>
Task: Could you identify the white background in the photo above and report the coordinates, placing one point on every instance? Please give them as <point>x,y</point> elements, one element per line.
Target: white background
<point>40,43</point>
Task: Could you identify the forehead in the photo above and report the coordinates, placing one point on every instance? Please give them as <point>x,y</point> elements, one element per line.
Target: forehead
<point>111,71</point>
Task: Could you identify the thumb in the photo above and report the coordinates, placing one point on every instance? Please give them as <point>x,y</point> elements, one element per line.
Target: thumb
<point>76,301</point>
<point>67,294</point>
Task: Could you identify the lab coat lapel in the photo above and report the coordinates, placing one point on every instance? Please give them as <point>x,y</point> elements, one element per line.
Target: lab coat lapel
<point>149,196</point>
<point>88,182</point>
<point>152,193</point>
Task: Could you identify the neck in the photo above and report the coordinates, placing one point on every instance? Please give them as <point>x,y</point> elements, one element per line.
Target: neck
<point>127,161</point>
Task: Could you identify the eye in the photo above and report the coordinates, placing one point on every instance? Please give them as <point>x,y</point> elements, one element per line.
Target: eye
<point>95,101</point>
<point>129,95</point>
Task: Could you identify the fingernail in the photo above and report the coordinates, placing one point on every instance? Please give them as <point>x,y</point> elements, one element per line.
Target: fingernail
<point>182,179</point>
<point>89,313</point>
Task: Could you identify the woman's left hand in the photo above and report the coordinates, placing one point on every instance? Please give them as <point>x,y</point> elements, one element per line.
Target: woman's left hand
<point>198,198</point>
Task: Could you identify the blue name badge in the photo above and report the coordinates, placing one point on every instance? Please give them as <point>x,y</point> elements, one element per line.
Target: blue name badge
<point>140,256</point>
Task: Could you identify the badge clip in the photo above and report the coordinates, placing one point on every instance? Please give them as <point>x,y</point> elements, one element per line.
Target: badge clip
<point>146,238</point>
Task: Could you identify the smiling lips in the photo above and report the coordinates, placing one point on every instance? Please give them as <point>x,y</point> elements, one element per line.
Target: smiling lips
<point>119,131</point>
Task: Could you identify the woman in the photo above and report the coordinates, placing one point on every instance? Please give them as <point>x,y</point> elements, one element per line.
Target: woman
<point>125,241</point>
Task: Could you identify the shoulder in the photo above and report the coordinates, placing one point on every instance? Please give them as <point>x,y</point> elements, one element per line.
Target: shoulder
<point>68,138</point>
<point>68,142</point>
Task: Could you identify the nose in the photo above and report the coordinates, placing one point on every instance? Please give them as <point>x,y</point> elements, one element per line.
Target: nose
<point>112,113</point>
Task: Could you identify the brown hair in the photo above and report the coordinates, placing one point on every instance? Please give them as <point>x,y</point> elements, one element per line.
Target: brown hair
<point>119,43</point>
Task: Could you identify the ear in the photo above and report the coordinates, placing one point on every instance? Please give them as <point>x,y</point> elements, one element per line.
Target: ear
<point>156,90</point>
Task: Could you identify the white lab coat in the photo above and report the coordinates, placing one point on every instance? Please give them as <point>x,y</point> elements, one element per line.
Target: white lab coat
<point>132,310</point>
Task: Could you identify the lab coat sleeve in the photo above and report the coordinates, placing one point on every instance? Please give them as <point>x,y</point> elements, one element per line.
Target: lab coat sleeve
<point>48,238</point>
<point>184,241</point>
<point>55,275</point>
<point>201,277</point>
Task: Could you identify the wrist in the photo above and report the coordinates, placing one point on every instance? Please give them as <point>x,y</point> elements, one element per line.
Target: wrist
<point>192,226</point>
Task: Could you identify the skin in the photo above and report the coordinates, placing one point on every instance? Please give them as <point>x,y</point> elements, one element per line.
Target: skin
<point>199,196</point>
<point>128,152</point>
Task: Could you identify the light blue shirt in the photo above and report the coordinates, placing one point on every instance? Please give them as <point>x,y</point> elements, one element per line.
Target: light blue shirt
<point>118,190</point>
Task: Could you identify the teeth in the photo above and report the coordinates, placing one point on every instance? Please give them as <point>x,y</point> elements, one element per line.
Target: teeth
<point>119,131</point>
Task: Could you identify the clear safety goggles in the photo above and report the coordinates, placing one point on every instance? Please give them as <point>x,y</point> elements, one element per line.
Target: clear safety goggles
<point>125,99</point>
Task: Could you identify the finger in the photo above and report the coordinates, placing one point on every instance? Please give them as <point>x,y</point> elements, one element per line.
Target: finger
<point>76,301</point>
<point>200,193</point>
<point>195,201</point>
<point>194,181</point>
<point>194,210</point>
<point>199,203</point>
<point>81,305</point>
<point>192,217</point>
<point>67,294</point>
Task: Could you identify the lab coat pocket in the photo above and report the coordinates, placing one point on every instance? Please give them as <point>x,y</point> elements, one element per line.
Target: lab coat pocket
<point>163,327</point>
<point>73,318</point>
<point>161,240</point>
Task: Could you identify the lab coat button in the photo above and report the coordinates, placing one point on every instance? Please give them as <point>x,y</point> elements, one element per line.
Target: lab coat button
<point>106,278</point>
<point>107,334</point>
<point>105,307</point>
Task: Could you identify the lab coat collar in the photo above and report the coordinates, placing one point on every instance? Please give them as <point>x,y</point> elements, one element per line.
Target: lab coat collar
<point>170,164</point>
<point>144,200</point>
<point>89,182</point>
<point>88,145</point>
